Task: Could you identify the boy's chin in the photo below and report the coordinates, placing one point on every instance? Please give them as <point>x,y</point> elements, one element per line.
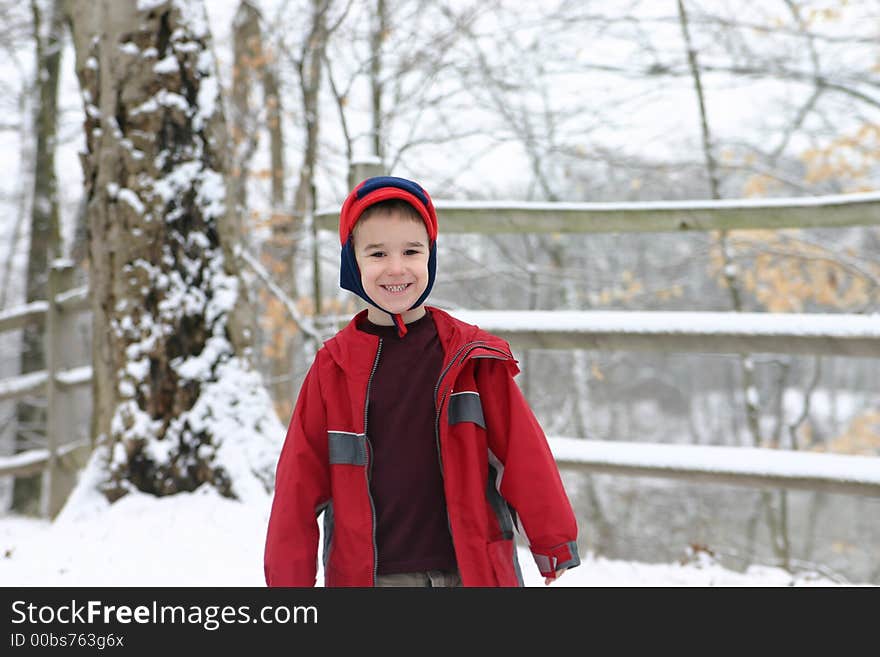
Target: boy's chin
<point>381,317</point>
<point>404,309</point>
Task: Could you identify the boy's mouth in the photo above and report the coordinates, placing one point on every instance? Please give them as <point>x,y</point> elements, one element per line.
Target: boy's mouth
<point>395,289</point>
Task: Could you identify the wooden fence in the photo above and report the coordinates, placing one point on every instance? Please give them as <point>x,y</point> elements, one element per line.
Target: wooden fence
<point>692,332</point>
<point>685,332</point>
<point>62,456</point>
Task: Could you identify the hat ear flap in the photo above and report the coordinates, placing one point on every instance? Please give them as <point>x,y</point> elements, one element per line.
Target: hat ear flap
<point>350,273</point>
<point>432,274</point>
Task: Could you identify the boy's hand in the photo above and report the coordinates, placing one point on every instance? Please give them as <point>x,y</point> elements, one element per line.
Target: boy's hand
<point>547,580</point>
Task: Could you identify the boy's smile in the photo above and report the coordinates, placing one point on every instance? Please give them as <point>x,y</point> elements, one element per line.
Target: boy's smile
<point>392,254</point>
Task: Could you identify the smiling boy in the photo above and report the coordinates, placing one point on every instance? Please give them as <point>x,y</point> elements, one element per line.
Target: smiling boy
<point>391,248</point>
<point>410,434</point>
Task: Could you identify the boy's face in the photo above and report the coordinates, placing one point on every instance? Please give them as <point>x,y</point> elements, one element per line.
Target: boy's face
<point>392,253</point>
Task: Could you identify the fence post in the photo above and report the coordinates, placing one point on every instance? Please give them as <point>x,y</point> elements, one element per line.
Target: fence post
<point>57,482</point>
<point>365,167</point>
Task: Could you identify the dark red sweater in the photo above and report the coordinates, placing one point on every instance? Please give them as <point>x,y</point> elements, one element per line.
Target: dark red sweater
<point>412,531</point>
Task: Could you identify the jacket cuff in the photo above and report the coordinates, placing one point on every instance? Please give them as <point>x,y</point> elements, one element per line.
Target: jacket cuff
<point>551,560</point>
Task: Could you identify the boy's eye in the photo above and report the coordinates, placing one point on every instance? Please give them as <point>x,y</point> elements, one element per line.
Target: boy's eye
<point>377,254</point>
<point>412,252</point>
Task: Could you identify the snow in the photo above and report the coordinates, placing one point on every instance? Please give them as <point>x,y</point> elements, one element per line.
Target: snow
<point>181,178</point>
<point>33,308</point>
<point>163,98</point>
<point>203,539</point>
<point>709,458</point>
<point>167,65</point>
<point>826,200</point>
<point>16,385</point>
<point>24,459</point>
<point>209,90</point>
<point>130,197</point>
<point>33,457</point>
<point>149,5</point>
<point>129,48</point>
<point>219,542</point>
<point>211,190</point>
<point>683,323</point>
<point>699,204</point>
<point>75,375</point>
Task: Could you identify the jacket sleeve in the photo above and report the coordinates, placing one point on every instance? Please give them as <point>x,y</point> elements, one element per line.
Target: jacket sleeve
<point>530,480</point>
<point>302,488</point>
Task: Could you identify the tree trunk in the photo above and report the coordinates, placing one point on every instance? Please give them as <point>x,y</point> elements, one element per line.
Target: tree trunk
<point>377,37</point>
<point>251,61</point>
<point>290,237</point>
<point>252,58</point>
<point>243,122</point>
<point>177,403</point>
<point>45,242</point>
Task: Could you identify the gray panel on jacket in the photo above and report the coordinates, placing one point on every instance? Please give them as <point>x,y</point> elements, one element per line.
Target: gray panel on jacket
<point>466,407</point>
<point>347,448</point>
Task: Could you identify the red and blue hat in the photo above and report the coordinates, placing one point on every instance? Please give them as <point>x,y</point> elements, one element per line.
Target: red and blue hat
<point>367,193</point>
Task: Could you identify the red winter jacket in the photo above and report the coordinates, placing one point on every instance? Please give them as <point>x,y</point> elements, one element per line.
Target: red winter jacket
<point>497,468</point>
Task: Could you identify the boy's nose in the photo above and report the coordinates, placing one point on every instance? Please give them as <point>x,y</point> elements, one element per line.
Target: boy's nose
<point>394,264</point>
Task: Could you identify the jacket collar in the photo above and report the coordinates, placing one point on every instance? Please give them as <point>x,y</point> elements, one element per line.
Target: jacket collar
<point>354,350</point>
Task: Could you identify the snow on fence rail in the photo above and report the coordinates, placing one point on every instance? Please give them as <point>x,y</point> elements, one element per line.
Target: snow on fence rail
<point>34,461</point>
<point>690,332</point>
<point>741,466</point>
<point>495,217</point>
<point>34,383</point>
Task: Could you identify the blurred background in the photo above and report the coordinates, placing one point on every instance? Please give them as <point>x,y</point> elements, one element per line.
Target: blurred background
<point>285,105</point>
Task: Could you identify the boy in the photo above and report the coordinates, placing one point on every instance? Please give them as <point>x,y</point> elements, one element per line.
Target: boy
<point>409,433</point>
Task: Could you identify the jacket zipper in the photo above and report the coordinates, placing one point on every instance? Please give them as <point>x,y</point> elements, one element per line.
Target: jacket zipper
<point>439,403</point>
<point>507,356</point>
<point>369,469</point>
<point>439,406</point>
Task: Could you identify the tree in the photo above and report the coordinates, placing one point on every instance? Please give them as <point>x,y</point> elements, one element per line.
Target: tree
<point>293,233</point>
<point>45,238</point>
<point>177,403</point>
<point>254,59</point>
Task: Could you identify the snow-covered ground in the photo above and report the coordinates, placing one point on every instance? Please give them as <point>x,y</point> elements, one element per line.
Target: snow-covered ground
<point>202,539</point>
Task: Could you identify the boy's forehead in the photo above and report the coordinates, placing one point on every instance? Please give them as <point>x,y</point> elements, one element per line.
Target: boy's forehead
<point>392,212</point>
<point>391,224</point>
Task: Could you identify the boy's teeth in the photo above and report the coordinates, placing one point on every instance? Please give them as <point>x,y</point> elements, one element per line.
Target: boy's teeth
<point>395,288</point>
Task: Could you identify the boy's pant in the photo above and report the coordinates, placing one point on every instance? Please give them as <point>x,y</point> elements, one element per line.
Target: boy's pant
<point>430,578</point>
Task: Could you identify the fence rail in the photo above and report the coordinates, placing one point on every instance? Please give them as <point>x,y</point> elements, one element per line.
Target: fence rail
<point>18,318</point>
<point>34,383</point>
<point>739,466</point>
<point>493,217</point>
<point>35,461</point>
<point>687,332</point>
